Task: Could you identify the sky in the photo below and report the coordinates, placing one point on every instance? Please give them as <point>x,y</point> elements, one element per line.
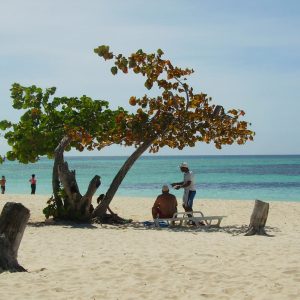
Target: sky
<point>246,54</point>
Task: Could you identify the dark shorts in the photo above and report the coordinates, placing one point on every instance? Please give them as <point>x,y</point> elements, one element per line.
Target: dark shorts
<point>33,187</point>
<point>2,189</point>
<point>191,197</point>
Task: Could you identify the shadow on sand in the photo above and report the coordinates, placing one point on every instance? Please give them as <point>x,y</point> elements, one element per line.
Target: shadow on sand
<point>65,224</point>
<point>230,229</point>
<point>233,230</point>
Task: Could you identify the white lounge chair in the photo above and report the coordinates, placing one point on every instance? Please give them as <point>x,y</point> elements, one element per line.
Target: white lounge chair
<point>196,217</point>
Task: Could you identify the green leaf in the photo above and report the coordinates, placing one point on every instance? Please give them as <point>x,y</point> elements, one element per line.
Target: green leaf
<point>4,124</point>
<point>114,70</point>
<point>132,63</point>
<point>148,84</point>
<point>160,52</point>
<point>101,49</point>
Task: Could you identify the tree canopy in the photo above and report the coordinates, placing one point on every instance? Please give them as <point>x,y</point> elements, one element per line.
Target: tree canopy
<point>46,120</point>
<point>178,116</point>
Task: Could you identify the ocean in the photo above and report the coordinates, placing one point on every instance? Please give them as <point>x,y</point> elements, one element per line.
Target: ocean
<point>261,177</point>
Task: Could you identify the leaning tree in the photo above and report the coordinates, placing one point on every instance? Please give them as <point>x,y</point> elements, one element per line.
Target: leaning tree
<point>177,117</point>
<point>49,126</point>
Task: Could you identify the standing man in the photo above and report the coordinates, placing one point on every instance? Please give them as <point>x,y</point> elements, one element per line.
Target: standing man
<point>32,181</point>
<point>188,184</point>
<point>3,182</point>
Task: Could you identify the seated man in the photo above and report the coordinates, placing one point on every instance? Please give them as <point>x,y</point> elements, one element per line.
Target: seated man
<point>165,205</point>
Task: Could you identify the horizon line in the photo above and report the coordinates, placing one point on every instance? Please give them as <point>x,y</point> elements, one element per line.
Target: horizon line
<point>168,155</point>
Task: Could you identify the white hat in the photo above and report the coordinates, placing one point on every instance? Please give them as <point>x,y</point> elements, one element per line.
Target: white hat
<point>184,165</point>
<point>165,188</point>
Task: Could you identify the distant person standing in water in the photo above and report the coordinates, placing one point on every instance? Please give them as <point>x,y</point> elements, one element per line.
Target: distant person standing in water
<point>3,182</point>
<point>32,180</point>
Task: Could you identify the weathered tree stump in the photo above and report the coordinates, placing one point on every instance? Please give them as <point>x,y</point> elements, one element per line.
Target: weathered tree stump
<point>73,205</point>
<point>258,218</point>
<point>13,220</point>
<point>78,206</point>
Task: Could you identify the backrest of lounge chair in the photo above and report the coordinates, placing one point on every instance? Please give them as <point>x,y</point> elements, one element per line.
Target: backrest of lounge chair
<point>196,213</point>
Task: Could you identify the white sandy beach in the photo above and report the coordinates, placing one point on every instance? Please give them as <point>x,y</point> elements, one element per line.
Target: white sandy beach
<point>108,262</point>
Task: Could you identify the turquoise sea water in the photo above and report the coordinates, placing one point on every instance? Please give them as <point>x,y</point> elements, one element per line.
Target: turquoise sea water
<point>217,177</point>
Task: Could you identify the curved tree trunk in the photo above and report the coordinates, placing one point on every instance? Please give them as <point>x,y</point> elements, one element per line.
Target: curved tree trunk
<point>258,218</point>
<point>85,202</point>
<point>13,220</point>
<point>102,207</point>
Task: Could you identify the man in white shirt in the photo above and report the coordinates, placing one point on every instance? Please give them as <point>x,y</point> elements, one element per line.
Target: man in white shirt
<point>188,184</point>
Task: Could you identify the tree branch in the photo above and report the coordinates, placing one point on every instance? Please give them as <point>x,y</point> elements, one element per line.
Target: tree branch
<point>86,200</point>
<point>186,92</point>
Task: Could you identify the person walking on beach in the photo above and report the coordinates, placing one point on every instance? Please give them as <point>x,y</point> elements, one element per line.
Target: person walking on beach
<point>188,184</point>
<point>32,180</point>
<point>3,182</point>
<point>165,204</point>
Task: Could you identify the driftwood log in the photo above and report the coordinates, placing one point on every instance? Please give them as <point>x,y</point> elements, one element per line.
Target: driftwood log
<point>13,220</point>
<point>258,218</point>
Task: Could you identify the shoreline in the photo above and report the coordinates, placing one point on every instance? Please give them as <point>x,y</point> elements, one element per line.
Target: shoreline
<point>152,198</point>
<point>69,261</point>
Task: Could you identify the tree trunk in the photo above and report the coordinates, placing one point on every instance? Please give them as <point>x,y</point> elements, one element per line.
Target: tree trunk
<point>73,206</point>
<point>102,207</point>
<point>58,159</point>
<point>68,181</point>
<point>258,218</point>
<point>78,207</point>
<point>13,220</point>
<point>86,200</point>
<point>55,180</point>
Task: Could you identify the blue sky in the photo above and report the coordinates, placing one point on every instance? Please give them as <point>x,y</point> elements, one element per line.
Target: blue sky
<point>246,54</point>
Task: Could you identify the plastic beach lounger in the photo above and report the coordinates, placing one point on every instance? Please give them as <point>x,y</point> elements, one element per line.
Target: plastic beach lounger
<point>196,217</point>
